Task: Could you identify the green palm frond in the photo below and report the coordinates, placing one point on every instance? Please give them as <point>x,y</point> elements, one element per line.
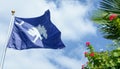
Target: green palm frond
<point>112,6</point>
<point>110,28</point>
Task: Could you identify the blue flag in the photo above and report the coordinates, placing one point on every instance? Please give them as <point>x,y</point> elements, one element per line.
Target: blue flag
<point>38,32</point>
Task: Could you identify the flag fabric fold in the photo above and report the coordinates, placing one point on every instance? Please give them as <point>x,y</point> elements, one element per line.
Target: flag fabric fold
<point>37,32</point>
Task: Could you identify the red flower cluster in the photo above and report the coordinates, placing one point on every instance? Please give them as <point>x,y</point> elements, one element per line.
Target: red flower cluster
<point>87,43</point>
<point>112,16</point>
<point>88,54</point>
<point>92,54</point>
<point>85,53</point>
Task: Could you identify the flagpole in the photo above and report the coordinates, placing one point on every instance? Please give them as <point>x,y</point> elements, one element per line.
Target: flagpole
<point>7,39</point>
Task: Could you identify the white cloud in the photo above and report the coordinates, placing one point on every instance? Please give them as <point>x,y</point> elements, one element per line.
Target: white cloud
<point>74,58</point>
<point>27,60</point>
<point>70,18</point>
<point>68,62</point>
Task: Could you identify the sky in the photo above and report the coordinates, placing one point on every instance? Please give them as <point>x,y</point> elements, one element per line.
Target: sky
<point>71,17</point>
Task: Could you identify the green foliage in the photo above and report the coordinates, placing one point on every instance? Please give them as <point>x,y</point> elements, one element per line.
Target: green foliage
<point>111,29</point>
<point>102,16</point>
<point>103,60</point>
<point>112,6</point>
<point>108,19</point>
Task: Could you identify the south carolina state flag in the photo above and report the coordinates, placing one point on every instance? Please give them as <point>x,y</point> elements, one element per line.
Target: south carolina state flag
<point>38,32</point>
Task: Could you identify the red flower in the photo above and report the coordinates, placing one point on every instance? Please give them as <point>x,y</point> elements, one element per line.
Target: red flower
<point>87,43</point>
<point>82,66</point>
<point>92,54</point>
<point>85,53</point>
<point>112,16</point>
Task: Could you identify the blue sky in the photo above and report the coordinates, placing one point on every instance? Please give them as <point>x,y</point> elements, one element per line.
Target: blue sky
<point>71,17</point>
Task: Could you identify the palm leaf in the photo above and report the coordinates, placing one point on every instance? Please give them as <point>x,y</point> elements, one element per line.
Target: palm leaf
<point>112,6</point>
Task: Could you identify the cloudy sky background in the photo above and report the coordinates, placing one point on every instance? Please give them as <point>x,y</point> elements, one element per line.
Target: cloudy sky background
<point>70,16</point>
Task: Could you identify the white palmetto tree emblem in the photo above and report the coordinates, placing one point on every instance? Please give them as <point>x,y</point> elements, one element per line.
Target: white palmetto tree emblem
<point>43,31</point>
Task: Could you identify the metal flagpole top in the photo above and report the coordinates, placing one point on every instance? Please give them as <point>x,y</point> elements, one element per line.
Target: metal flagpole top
<point>13,12</point>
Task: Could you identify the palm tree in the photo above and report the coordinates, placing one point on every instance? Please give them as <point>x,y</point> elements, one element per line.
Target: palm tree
<point>112,6</point>
<point>110,28</point>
